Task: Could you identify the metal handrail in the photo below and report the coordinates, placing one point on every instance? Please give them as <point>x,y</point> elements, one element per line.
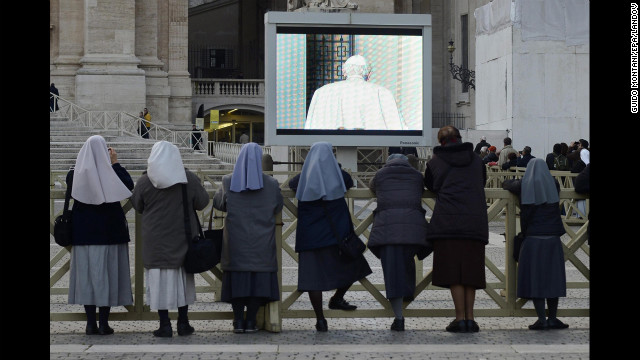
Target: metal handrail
<point>127,124</point>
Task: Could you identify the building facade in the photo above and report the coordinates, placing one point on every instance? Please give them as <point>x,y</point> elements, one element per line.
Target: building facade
<point>123,55</point>
<point>174,56</point>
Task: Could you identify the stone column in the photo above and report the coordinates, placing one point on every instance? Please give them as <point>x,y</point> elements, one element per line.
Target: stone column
<point>109,78</point>
<point>156,79</point>
<point>67,44</point>
<point>173,49</point>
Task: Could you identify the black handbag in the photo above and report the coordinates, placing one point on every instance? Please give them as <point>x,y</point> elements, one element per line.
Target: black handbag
<point>62,232</point>
<point>351,245</point>
<point>202,254</point>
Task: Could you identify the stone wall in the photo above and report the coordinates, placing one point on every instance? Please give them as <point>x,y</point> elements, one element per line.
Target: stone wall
<point>123,55</point>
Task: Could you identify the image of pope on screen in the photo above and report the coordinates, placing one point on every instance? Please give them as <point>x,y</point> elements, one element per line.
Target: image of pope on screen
<point>354,103</point>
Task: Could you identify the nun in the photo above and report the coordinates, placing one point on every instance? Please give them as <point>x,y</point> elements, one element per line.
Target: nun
<point>322,209</point>
<point>541,270</point>
<point>99,273</point>
<point>158,198</point>
<point>249,263</point>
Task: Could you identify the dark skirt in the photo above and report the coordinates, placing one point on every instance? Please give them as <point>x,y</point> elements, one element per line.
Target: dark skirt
<point>541,272</point>
<point>325,269</point>
<point>458,262</point>
<point>399,270</point>
<point>240,284</point>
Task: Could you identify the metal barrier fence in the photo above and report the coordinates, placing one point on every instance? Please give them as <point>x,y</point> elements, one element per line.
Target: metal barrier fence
<point>502,208</point>
<point>126,124</point>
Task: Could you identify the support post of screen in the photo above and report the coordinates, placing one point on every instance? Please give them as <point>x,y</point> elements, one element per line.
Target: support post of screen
<point>347,156</point>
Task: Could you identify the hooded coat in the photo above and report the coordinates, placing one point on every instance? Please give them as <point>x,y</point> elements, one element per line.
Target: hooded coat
<point>457,176</point>
<point>399,218</point>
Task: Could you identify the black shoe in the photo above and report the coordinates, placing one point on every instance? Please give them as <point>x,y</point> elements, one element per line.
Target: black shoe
<point>321,325</point>
<point>472,326</point>
<point>163,331</point>
<point>556,324</point>
<point>340,304</point>
<point>251,327</point>
<point>539,325</point>
<point>238,326</point>
<point>105,330</point>
<point>91,329</point>
<point>185,329</point>
<point>457,326</point>
<point>398,324</point>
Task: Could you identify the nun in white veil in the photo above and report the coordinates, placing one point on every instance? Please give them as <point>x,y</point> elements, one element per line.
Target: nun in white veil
<point>99,272</point>
<point>158,198</point>
<point>249,263</point>
<point>322,209</point>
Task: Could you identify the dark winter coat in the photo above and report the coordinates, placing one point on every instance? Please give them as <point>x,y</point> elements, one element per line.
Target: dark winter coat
<point>103,224</point>
<point>399,218</point>
<point>524,160</point>
<point>537,220</point>
<point>314,230</point>
<point>480,145</point>
<point>457,176</point>
<point>490,157</point>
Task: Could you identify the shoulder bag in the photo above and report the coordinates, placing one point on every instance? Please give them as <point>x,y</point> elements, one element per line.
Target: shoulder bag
<point>62,232</point>
<point>203,254</point>
<point>350,245</point>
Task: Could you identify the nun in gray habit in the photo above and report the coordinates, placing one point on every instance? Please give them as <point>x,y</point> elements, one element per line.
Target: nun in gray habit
<point>320,189</point>
<point>251,200</point>
<point>541,271</point>
<point>158,198</point>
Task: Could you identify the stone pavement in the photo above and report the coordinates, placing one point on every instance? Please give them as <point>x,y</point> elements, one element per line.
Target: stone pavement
<point>347,338</point>
<point>424,338</point>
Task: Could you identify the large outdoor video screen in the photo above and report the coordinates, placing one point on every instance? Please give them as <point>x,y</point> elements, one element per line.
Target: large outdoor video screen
<point>350,79</point>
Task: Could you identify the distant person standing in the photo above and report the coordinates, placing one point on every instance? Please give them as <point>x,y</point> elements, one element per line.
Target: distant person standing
<point>483,142</point>
<point>491,155</point>
<point>556,160</point>
<point>53,101</point>
<point>503,156</point>
<point>525,157</point>
<point>244,138</point>
<point>146,125</point>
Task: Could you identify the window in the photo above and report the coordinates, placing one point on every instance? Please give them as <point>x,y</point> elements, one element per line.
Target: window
<point>220,58</point>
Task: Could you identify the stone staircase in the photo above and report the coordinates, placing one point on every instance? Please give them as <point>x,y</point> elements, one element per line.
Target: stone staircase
<point>66,139</point>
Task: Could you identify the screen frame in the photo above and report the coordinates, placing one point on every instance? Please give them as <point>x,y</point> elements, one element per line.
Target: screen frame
<point>384,22</point>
